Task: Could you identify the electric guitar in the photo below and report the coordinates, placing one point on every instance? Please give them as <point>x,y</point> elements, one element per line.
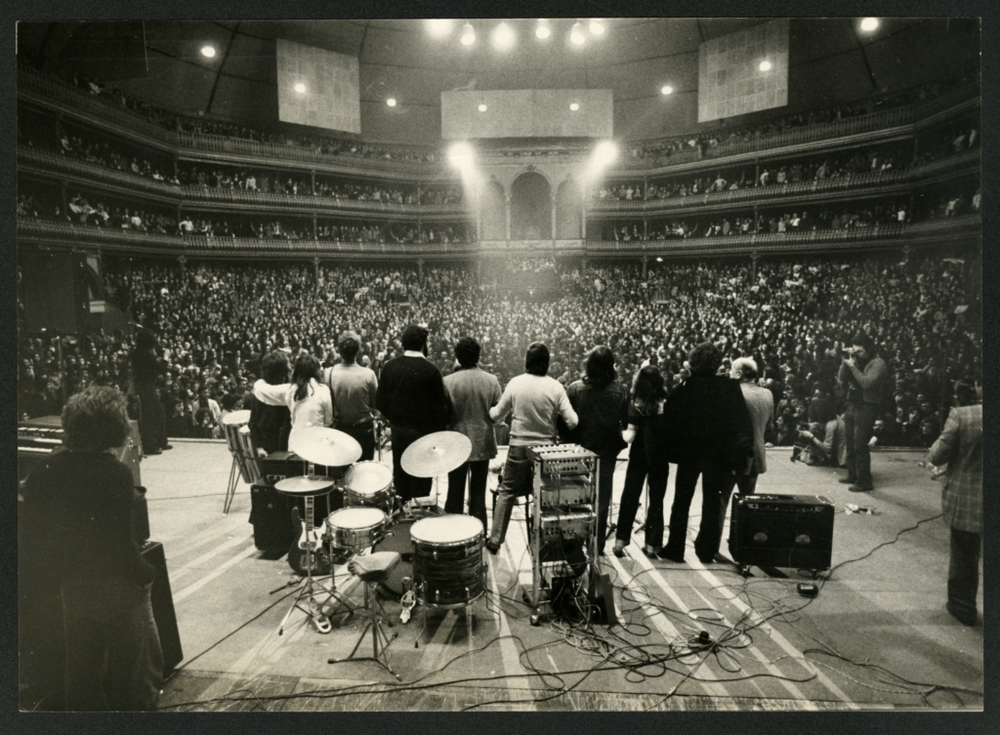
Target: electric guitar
<point>307,539</point>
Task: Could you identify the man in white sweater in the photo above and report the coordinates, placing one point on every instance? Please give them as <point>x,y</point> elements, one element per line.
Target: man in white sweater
<point>534,402</point>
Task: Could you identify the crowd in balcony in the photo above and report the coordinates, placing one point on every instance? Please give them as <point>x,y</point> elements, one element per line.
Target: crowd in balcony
<point>792,315</point>
<point>703,142</point>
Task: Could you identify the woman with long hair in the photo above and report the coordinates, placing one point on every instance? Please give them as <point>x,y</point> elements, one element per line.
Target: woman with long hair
<point>645,459</point>
<point>602,407</point>
<point>307,398</point>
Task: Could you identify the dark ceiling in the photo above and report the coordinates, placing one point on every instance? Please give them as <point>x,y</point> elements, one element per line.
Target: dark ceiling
<point>830,61</point>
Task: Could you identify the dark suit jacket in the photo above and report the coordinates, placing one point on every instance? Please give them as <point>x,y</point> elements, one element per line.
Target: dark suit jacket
<point>707,423</point>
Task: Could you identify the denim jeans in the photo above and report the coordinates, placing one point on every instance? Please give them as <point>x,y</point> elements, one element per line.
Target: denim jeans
<point>517,477</point>
<point>859,426</point>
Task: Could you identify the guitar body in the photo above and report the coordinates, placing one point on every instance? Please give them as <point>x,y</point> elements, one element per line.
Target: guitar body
<point>319,562</point>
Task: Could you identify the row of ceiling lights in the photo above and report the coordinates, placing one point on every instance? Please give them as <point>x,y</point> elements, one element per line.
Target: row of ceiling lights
<point>504,36</point>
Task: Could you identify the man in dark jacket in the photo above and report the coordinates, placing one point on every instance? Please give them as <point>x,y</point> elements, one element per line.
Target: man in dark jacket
<point>411,395</point>
<point>710,434</point>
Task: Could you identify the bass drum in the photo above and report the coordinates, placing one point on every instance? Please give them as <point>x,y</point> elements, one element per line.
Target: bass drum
<point>397,538</point>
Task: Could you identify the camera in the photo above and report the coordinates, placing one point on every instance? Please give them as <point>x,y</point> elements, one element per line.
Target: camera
<point>847,354</point>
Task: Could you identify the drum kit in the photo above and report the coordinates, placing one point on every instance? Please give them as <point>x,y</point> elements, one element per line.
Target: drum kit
<point>442,554</point>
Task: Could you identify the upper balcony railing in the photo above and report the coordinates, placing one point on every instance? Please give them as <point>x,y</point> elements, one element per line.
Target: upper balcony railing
<point>31,80</point>
<point>878,121</point>
<point>50,233</point>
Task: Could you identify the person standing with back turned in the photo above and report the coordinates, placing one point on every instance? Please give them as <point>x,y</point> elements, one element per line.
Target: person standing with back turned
<point>472,393</point>
<point>411,395</point>
<point>533,400</point>
<point>961,447</point>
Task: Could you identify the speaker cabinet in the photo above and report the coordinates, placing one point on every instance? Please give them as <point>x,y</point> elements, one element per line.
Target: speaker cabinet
<point>792,531</point>
<point>163,608</point>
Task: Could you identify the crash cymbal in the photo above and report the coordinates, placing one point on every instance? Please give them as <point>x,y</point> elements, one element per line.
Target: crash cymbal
<point>436,454</point>
<point>305,485</point>
<point>328,447</point>
<point>236,418</point>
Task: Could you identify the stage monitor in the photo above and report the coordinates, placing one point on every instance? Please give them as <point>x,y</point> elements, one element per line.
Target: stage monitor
<point>318,88</point>
<point>527,113</point>
<point>730,79</point>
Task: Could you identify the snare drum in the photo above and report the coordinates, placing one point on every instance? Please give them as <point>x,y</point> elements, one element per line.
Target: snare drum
<point>448,560</point>
<point>369,484</point>
<point>355,528</point>
<point>251,460</point>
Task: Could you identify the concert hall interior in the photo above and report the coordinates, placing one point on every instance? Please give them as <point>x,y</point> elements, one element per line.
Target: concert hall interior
<point>712,269</point>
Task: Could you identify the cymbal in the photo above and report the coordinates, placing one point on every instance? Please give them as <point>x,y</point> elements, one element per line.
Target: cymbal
<point>328,447</point>
<point>436,454</point>
<point>305,485</point>
<point>236,417</point>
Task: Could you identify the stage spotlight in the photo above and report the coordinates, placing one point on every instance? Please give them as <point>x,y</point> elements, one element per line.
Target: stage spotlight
<point>605,153</point>
<point>659,259</point>
<point>596,27</point>
<point>666,89</point>
<point>439,27</point>
<point>460,156</point>
<point>503,36</point>
<point>391,102</point>
<point>482,107</point>
<point>574,106</point>
<point>869,24</point>
<point>542,30</point>
<point>576,35</point>
<point>300,88</point>
<point>765,65</point>
<point>468,35</point>
<point>208,51</point>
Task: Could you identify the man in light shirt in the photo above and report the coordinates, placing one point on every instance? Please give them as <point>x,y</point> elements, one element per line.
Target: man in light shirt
<point>534,402</point>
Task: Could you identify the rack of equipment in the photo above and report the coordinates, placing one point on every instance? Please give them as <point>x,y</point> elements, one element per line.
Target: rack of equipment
<point>562,520</point>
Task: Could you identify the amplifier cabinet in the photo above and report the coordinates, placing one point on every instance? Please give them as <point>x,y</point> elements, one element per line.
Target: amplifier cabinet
<point>163,608</point>
<point>281,464</point>
<point>791,531</point>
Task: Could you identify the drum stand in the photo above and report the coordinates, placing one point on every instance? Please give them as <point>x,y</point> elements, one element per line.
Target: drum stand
<point>234,477</point>
<point>305,599</point>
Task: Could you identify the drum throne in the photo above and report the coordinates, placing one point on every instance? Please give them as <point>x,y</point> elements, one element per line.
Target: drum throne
<point>372,570</point>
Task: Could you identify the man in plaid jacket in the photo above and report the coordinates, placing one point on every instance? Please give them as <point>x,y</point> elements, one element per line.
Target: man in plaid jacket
<point>960,446</point>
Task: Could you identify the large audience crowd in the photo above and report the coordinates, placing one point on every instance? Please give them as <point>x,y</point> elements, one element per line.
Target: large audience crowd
<point>215,321</point>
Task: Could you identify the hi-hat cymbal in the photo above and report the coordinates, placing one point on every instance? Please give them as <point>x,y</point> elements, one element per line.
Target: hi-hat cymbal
<point>436,454</point>
<point>328,447</point>
<point>305,485</point>
<point>236,418</point>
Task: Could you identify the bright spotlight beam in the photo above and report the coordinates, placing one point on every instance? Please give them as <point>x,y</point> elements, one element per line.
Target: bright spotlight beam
<point>460,156</point>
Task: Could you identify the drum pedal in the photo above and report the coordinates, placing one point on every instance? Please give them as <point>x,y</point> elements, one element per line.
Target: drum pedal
<point>408,602</point>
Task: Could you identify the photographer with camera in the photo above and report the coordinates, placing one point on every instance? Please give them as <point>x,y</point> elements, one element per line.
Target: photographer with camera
<point>863,374</point>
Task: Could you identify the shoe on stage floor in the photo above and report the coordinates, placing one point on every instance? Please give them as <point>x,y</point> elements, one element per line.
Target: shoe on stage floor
<point>492,548</point>
<point>855,488</point>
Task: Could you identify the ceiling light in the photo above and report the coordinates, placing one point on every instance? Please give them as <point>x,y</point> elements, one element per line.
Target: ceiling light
<point>468,35</point>
<point>208,51</point>
<point>391,102</point>
<point>482,107</point>
<point>300,88</point>
<point>765,65</point>
<point>574,106</point>
<point>542,30</point>
<point>659,259</point>
<point>439,27</point>
<point>596,27</point>
<point>666,89</point>
<point>503,36</point>
<point>869,24</point>
<point>576,35</point>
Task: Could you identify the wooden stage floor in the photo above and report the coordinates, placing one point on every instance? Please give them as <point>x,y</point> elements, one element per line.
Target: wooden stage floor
<point>877,637</point>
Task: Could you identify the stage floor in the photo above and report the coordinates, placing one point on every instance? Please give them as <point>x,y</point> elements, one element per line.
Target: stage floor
<point>877,637</point>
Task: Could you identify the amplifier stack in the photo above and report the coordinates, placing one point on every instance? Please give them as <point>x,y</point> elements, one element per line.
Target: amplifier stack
<point>792,531</point>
